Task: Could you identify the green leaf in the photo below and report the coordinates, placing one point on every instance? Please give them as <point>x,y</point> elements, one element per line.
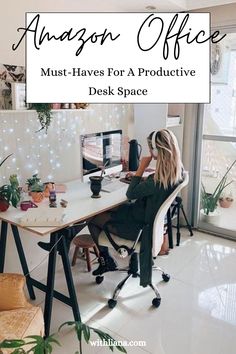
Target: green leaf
<point>86,332</point>
<point>68,323</point>
<point>78,330</point>
<point>12,343</point>
<point>53,340</point>
<point>121,349</point>
<point>5,159</point>
<point>19,351</point>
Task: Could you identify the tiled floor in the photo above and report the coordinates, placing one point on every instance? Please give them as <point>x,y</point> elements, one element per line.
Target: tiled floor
<point>198,310</point>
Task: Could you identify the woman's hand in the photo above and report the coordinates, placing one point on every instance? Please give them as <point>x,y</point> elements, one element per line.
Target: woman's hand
<point>144,163</point>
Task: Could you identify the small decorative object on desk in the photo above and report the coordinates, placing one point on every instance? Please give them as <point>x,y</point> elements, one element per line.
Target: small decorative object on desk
<point>96,186</point>
<point>63,203</point>
<point>26,204</point>
<point>47,188</point>
<point>52,196</point>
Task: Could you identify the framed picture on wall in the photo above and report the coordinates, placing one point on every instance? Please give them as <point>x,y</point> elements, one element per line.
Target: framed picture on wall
<point>18,95</point>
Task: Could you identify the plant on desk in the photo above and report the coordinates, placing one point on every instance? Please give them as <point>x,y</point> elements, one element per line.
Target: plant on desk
<point>42,345</point>
<point>33,180</point>
<point>37,192</point>
<point>10,194</point>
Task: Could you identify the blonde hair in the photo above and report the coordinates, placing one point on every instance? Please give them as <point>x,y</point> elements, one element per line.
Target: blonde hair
<point>169,165</point>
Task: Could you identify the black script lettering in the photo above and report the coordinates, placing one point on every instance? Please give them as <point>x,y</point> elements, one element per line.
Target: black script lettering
<point>69,35</point>
<point>149,25</point>
<point>170,34</point>
<point>28,29</point>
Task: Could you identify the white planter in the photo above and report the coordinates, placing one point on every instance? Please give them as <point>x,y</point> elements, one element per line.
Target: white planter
<point>211,217</point>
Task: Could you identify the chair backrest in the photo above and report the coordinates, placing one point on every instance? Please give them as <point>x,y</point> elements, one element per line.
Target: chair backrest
<point>158,225</point>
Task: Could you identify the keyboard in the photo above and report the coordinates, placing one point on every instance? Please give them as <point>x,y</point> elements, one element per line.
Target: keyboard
<point>111,186</point>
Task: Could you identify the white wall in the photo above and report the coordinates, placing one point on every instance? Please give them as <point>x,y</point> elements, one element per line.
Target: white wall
<point>224,15</point>
<point>148,117</point>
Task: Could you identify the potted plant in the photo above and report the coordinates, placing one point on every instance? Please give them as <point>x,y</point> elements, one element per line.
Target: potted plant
<point>4,205</point>
<point>209,201</point>
<point>40,345</point>
<point>37,192</point>
<point>226,200</point>
<point>44,112</point>
<point>33,180</point>
<point>10,194</point>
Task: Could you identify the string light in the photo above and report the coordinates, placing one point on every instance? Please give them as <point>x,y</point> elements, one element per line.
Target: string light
<point>47,154</point>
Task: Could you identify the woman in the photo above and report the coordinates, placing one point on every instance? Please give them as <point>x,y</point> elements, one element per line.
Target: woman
<point>148,194</point>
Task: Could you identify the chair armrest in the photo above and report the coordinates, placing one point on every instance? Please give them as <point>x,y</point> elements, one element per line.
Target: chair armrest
<point>12,294</point>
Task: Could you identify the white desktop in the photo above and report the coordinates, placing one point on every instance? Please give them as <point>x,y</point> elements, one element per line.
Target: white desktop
<point>102,151</point>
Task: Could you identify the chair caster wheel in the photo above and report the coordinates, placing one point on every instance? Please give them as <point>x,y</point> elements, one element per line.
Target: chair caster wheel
<point>156,302</point>
<point>99,279</point>
<point>112,303</point>
<point>165,277</point>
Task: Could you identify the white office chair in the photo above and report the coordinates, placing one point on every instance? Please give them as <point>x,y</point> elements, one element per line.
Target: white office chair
<point>125,247</point>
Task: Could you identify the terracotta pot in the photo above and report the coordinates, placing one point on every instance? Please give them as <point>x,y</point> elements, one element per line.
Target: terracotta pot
<point>37,196</point>
<point>226,202</point>
<point>4,205</point>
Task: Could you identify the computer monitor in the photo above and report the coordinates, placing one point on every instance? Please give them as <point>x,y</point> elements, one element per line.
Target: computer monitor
<point>101,149</point>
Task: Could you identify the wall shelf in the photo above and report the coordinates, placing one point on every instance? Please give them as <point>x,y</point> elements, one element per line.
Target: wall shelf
<point>52,110</point>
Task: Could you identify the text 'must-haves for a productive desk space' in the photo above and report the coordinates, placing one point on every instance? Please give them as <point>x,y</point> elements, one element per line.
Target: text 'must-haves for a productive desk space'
<point>80,207</point>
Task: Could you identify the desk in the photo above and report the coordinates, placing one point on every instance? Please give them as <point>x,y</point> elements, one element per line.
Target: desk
<point>80,207</point>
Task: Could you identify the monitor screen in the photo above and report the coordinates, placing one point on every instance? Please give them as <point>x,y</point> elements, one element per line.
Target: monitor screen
<point>101,149</point>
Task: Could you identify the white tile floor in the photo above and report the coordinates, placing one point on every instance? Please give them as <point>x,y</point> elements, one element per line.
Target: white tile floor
<point>198,310</point>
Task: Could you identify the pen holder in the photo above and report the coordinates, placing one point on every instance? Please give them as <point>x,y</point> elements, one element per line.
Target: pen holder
<point>96,186</point>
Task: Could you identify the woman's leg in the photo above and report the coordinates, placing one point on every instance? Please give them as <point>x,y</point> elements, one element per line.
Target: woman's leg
<point>95,226</point>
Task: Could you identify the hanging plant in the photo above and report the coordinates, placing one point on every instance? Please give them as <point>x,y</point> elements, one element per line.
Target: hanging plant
<point>44,114</point>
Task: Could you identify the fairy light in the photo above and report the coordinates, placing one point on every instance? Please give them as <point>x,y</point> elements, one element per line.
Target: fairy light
<point>47,153</point>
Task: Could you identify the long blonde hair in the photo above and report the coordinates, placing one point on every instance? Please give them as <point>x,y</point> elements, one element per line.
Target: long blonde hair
<point>169,165</point>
